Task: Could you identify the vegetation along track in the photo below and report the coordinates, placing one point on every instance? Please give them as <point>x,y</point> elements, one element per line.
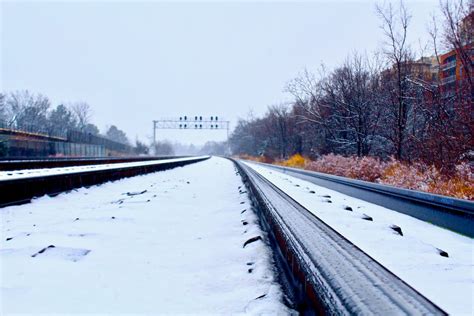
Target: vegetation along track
<point>327,274</point>
<point>451,213</point>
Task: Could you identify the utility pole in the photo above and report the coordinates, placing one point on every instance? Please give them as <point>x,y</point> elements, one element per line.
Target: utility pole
<point>154,136</point>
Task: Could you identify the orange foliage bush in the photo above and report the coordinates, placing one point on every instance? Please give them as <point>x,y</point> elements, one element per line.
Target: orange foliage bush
<point>295,161</point>
<point>415,176</point>
<point>366,168</point>
<point>427,178</point>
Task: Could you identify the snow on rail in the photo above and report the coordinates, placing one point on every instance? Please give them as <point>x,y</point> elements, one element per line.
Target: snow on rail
<point>410,248</point>
<point>33,173</point>
<point>169,242</point>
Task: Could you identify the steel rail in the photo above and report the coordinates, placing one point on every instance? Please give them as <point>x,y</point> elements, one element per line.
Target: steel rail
<point>29,163</point>
<point>333,275</point>
<point>22,190</point>
<point>451,213</point>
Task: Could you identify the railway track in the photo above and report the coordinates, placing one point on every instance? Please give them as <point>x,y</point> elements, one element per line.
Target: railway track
<point>28,163</point>
<point>451,213</point>
<point>324,272</point>
<point>21,187</point>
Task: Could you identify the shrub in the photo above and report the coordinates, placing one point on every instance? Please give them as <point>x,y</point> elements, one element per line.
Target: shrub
<point>366,168</point>
<point>460,185</point>
<point>415,176</point>
<point>332,164</point>
<point>295,161</point>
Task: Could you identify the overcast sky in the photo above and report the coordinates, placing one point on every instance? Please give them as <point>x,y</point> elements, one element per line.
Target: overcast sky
<point>135,62</point>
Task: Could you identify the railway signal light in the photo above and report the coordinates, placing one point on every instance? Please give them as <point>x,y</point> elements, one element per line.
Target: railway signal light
<point>200,122</point>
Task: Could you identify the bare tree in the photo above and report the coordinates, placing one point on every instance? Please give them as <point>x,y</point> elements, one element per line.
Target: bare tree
<point>395,27</point>
<point>352,93</point>
<point>310,112</point>
<point>279,120</point>
<point>27,111</point>
<point>83,114</point>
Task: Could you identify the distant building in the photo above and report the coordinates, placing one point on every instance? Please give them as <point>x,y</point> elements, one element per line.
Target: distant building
<point>452,72</point>
<point>425,69</point>
<point>451,69</point>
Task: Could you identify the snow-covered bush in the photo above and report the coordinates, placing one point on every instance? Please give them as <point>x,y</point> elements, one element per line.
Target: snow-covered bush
<point>414,176</point>
<point>365,168</point>
<point>409,176</point>
<point>332,164</point>
<point>461,185</point>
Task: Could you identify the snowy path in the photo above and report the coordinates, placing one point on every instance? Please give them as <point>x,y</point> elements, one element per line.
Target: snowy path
<point>167,242</point>
<point>414,257</point>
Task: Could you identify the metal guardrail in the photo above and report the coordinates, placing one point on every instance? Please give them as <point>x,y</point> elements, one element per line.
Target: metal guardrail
<point>18,191</point>
<point>452,213</point>
<point>326,272</point>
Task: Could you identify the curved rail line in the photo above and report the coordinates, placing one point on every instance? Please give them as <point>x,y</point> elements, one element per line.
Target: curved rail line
<point>451,213</point>
<point>329,273</point>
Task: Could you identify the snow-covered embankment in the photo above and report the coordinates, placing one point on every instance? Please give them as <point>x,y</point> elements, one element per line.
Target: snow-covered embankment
<point>167,242</point>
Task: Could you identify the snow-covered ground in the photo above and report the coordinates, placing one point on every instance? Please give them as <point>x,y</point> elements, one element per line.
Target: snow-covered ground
<point>31,173</point>
<point>414,257</point>
<point>167,242</point>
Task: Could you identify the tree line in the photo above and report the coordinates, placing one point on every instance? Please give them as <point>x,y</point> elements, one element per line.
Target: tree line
<point>32,112</point>
<point>26,111</point>
<point>378,105</point>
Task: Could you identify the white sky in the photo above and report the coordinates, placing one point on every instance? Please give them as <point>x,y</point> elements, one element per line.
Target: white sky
<point>138,61</point>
